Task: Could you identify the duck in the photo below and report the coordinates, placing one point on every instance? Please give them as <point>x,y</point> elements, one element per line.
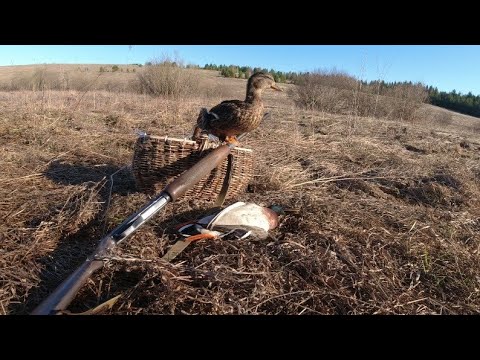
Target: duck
<point>237,221</point>
<point>231,118</point>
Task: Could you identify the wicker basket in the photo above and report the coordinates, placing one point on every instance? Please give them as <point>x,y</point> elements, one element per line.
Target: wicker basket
<point>158,160</point>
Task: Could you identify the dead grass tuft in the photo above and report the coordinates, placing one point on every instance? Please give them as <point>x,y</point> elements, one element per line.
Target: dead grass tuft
<point>371,226</point>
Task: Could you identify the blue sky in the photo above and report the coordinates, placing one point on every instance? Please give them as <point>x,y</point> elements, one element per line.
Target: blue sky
<point>446,67</point>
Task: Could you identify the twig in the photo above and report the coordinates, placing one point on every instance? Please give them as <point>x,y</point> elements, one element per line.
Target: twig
<point>249,273</point>
<point>3,308</point>
<point>86,90</point>
<point>110,197</point>
<point>21,178</point>
<point>327,180</point>
<point>118,258</point>
<point>410,302</point>
<point>282,295</point>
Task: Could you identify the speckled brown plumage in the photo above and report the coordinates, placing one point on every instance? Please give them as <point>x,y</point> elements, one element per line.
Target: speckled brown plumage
<point>234,117</point>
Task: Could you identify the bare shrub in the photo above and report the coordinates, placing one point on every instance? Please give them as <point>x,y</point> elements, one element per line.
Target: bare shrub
<point>443,118</point>
<point>52,77</point>
<point>79,83</point>
<point>19,82</point>
<point>476,127</point>
<point>167,78</point>
<point>43,79</point>
<point>337,92</point>
<point>38,80</point>
<point>323,90</point>
<point>408,99</point>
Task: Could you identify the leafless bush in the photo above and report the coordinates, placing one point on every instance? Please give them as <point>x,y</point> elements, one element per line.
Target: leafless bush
<point>443,118</point>
<point>79,83</point>
<point>328,91</point>
<point>38,80</point>
<point>167,78</point>
<point>476,127</point>
<point>42,79</point>
<point>407,100</point>
<point>337,92</point>
<point>17,83</point>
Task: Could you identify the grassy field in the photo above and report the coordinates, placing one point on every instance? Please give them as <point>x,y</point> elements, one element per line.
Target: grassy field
<point>385,215</point>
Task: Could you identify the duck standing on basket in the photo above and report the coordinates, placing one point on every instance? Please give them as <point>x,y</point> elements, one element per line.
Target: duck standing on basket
<point>234,117</point>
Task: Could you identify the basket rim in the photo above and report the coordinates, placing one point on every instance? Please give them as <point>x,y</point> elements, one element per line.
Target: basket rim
<point>187,141</point>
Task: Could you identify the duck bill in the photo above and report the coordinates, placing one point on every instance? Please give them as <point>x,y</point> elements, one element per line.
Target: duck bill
<point>275,87</point>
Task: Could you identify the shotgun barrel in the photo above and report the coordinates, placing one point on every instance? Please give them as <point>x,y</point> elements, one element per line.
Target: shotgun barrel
<point>64,294</point>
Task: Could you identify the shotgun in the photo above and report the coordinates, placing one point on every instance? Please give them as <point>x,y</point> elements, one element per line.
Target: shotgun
<point>64,294</point>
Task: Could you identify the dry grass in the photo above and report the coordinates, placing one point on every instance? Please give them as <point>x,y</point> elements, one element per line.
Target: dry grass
<point>160,79</point>
<point>68,77</point>
<point>382,220</point>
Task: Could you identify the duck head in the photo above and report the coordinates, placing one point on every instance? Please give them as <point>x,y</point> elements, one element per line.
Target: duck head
<point>260,81</point>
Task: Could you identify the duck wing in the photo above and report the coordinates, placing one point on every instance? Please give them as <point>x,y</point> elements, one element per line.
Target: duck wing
<point>227,113</point>
<point>237,102</point>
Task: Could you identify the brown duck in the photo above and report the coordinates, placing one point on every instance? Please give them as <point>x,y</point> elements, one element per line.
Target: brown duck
<point>234,117</point>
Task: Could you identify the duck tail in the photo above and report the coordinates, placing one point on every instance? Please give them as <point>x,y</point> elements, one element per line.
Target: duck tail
<point>197,132</point>
<point>202,120</point>
<point>202,124</point>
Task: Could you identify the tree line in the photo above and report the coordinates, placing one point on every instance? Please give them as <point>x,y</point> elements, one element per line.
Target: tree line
<point>463,103</point>
<point>468,104</point>
<point>244,72</point>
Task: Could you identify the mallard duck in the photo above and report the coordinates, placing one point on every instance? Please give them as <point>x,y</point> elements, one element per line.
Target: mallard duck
<point>238,220</point>
<point>234,117</point>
